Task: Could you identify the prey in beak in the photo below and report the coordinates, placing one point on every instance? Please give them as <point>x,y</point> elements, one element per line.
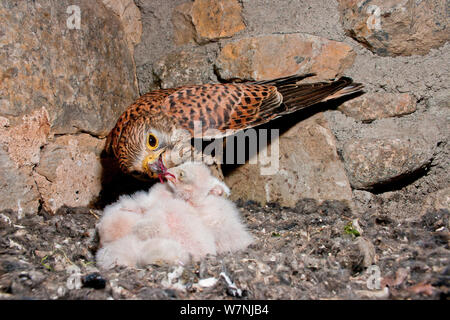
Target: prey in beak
<point>163,173</point>
<point>158,169</point>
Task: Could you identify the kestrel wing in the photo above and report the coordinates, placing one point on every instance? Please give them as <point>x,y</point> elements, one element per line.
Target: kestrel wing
<point>149,102</point>
<point>223,109</point>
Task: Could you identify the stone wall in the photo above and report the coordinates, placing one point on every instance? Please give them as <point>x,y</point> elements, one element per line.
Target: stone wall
<point>62,90</point>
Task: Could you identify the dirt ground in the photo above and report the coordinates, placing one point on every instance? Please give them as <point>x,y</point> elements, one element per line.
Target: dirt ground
<point>314,251</point>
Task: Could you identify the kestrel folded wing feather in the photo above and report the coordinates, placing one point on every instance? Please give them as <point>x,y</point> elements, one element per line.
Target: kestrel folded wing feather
<point>220,106</point>
<point>233,107</point>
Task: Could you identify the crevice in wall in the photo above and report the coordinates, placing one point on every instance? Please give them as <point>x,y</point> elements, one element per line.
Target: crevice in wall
<point>401,182</point>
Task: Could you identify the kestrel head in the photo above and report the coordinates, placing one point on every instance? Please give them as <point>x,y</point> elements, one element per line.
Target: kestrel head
<point>141,147</point>
<point>144,144</point>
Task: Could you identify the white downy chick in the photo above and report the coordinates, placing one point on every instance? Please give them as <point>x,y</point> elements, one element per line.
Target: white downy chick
<point>224,221</point>
<point>172,222</point>
<point>178,221</point>
<point>195,184</point>
<point>170,233</point>
<point>150,227</point>
<point>119,218</point>
<point>133,252</point>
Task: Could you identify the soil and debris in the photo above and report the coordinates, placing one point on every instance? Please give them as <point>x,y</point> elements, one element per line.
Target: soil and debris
<point>310,252</point>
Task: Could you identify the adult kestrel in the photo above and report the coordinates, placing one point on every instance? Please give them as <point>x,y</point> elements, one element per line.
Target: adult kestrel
<point>161,123</point>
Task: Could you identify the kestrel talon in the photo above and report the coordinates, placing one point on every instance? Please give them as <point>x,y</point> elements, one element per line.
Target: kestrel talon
<point>161,123</point>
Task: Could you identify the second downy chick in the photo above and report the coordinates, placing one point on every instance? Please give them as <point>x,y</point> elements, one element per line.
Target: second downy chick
<point>195,184</point>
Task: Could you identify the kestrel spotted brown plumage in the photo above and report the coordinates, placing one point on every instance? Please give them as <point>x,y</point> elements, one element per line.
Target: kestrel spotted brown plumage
<point>161,123</point>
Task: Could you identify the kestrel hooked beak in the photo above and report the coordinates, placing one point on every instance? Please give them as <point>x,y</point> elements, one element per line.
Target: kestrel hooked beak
<point>154,132</point>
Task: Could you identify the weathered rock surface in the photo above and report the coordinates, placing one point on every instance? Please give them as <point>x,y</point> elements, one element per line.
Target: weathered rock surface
<point>19,152</point>
<point>69,172</point>
<point>370,161</point>
<point>390,149</point>
<point>320,18</point>
<point>440,99</point>
<point>157,39</point>
<point>371,106</point>
<point>18,190</point>
<point>83,77</point>
<point>57,78</point>
<point>24,141</point>
<point>309,167</point>
<point>184,67</point>
<point>391,28</point>
<point>203,21</point>
<point>83,80</point>
<point>130,16</point>
<point>277,55</point>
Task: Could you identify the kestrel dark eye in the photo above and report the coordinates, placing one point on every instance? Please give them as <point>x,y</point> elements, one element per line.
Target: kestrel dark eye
<point>152,141</point>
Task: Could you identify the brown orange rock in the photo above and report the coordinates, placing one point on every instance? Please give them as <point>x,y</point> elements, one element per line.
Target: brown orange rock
<point>391,28</point>
<point>272,56</point>
<point>20,146</point>
<point>371,106</point>
<point>18,190</point>
<point>23,141</point>
<point>84,78</point>
<point>203,21</point>
<point>19,152</point>
<point>34,167</point>
<point>334,58</point>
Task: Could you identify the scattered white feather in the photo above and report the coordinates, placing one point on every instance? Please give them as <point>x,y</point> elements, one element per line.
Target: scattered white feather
<point>173,281</point>
<point>74,280</point>
<point>19,210</point>
<point>13,244</point>
<point>207,283</point>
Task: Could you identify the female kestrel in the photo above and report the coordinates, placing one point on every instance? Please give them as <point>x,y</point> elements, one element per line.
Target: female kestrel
<point>161,123</point>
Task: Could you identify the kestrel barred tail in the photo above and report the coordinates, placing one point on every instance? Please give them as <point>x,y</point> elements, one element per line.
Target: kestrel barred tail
<point>148,132</point>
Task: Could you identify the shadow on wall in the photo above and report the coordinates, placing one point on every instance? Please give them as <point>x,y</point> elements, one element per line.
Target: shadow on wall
<point>116,183</point>
<point>283,124</point>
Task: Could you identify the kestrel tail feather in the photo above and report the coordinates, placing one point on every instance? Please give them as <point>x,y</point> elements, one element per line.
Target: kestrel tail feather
<point>299,96</point>
<point>349,90</point>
